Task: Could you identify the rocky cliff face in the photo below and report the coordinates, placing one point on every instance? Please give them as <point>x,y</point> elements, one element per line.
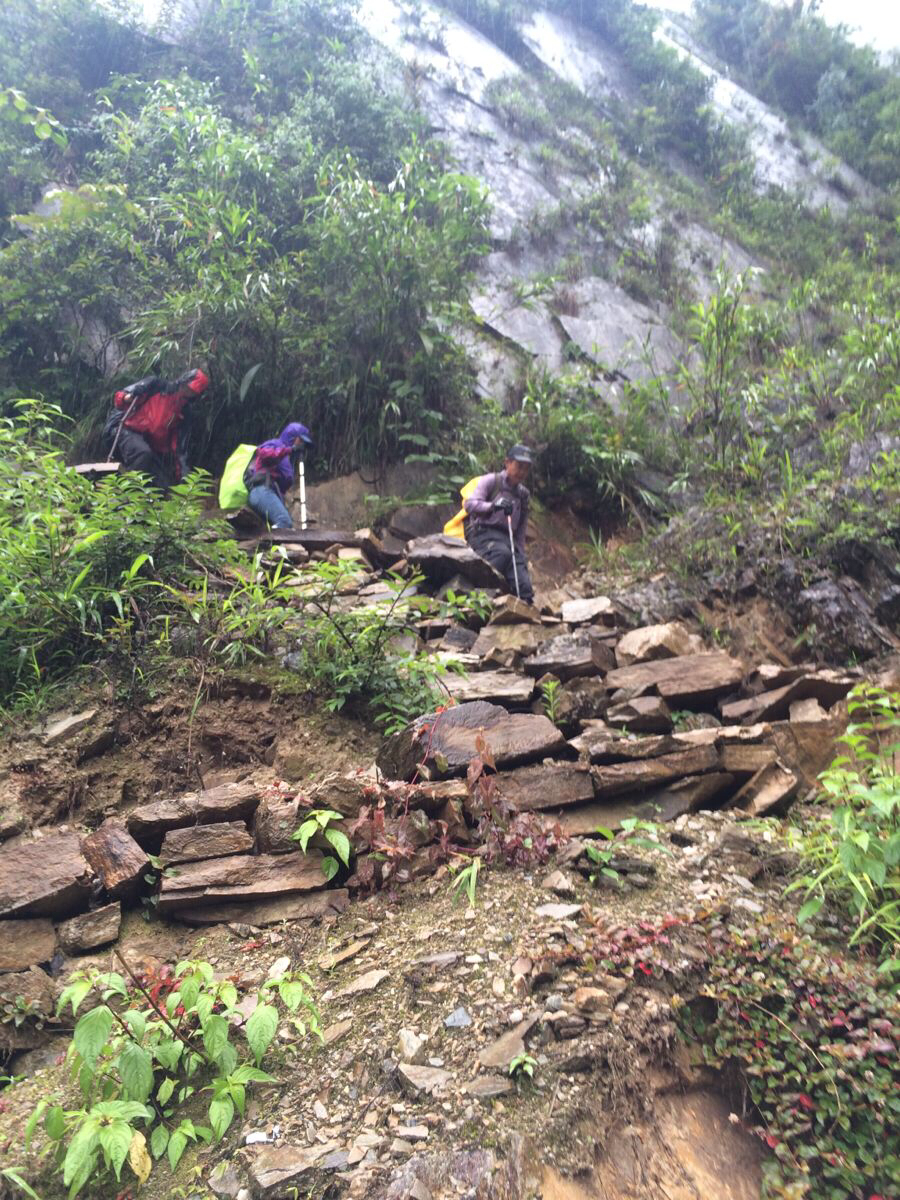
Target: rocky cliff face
<point>546,186</point>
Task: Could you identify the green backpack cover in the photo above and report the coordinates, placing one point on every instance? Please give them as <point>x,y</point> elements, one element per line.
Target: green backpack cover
<point>232,491</point>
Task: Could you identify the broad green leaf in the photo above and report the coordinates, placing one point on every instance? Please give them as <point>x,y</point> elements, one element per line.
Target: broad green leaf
<point>165,1089</point>
<point>809,909</point>
<point>168,1052</point>
<point>136,1071</point>
<point>221,1114</point>
<point>74,994</point>
<point>247,1074</point>
<point>304,833</point>
<point>292,993</point>
<point>115,1139</point>
<point>159,1139</point>
<point>330,867</point>
<point>190,990</point>
<point>260,1029</point>
<point>92,1031</point>
<point>55,1123</point>
<point>21,1183</point>
<point>81,1156</point>
<point>136,1022</point>
<point>175,1148</point>
<point>32,1122</point>
<point>340,843</point>
<point>215,1035</point>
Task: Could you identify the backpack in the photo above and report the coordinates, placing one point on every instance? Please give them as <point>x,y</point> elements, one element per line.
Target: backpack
<point>457,526</point>
<point>232,489</point>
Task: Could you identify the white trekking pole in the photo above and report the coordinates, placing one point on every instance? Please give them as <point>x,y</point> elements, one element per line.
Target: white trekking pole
<point>512,550</point>
<point>302,469</point>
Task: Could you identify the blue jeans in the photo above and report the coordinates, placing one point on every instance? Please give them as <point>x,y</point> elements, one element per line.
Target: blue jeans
<point>267,503</point>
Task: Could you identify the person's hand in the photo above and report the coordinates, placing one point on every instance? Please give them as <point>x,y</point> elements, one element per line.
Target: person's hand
<point>503,504</point>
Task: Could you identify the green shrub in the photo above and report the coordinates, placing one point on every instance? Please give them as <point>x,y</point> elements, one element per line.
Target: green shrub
<point>851,852</point>
<point>142,1055</point>
<point>809,1035</point>
<point>81,567</point>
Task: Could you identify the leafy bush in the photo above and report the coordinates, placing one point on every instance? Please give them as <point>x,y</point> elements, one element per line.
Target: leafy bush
<point>81,566</point>
<point>806,1030</point>
<point>851,853</point>
<point>365,655</point>
<point>141,1056</point>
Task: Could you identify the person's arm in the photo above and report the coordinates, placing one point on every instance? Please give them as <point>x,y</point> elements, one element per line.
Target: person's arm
<point>192,383</point>
<point>271,454</point>
<point>479,504</point>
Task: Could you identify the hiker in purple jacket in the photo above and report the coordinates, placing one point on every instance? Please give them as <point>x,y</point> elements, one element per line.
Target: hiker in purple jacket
<point>498,503</point>
<point>270,473</point>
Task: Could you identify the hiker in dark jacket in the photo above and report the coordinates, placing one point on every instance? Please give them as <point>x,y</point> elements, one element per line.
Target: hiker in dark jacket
<point>498,504</point>
<point>148,427</point>
<point>270,474</point>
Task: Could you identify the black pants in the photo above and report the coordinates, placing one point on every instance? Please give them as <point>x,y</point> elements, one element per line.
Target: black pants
<point>135,453</point>
<point>492,543</point>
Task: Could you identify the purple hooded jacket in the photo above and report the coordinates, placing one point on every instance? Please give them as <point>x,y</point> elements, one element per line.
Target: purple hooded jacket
<point>273,457</point>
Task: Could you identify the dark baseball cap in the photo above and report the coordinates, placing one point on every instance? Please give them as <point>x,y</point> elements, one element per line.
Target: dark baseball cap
<point>520,454</point>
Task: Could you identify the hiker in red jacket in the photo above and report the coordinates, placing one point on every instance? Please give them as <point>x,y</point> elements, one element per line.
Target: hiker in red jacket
<point>147,429</point>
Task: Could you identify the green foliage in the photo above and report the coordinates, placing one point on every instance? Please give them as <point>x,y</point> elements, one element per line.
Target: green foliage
<point>851,853</point>
<point>141,1056</point>
<point>790,57</point>
<point>320,821</point>
<point>367,655</point>
<point>465,881</point>
<point>631,836</point>
<point>82,567</point>
<point>550,699</point>
<point>523,1066</point>
<point>807,1031</point>
<point>14,1176</point>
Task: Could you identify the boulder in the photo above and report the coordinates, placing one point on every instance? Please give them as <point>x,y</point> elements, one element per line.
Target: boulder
<point>520,640</point>
<point>67,726</point>
<point>643,714</point>
<point>686,681</point>
<point>90,929</point>
<point>307,906</point>
<point>205,841</point>
<point>274,822</point>
<point>446,742</point>
<point>605,746</point>
<point>807,747</point>
<point>825,686</point>
<point>625,777</point>
<point>346,794</point>
<point>47,877</point>
<point>769,791</point>
<point>26,943</point>
<point>228,802</point>
<point>36,991</point>
<point>661,804</point>
<point>581,699</point>
<point>423,1081</point>
<point>653,642</point>
<point>500,687</point>
<point>569,655</point>
<point>458,639</point>
<point>430,797</point>
<point>116,858</point>
<point>276,1171</point>
<point>439,558</point>
<point>599,609</point>
<point>545,785</point>
<point>746,760</point>
<point>240,877</point>
<point>510,610</point>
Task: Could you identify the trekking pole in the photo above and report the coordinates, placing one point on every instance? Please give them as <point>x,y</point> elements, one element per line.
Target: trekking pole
<point>112,449</point>
<point>301,466</point>
<point>512,550</point>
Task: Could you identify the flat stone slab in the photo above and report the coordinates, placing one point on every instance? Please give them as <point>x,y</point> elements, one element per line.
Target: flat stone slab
<point>447,741</point>
<point>500,687</point>
<point>439,558</point>
<point>364,983</point>
<point>240,877</point>
<point>652,642</point>
<point>68,726</point>
<point>519,640</point>
<point>825,686</point>
<point>570,656</point>
<point>599,609</point>
<point>117,858</point>
<point>205,841</point>
<point>274,1170</point>
<point>429,1081</point>
<point>306,906</point>
<point>228,802</point>
<point>626,777</point>
<point>47,877</point>
<point>90,929</point>
<point>661,804</point>
<point>26,943</point>
<point>643,714</point>
<point>510,610</point>
<point>512,1043</point>
<point>545,785</point>
<point>770,790</point>
<point>683,681</point>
